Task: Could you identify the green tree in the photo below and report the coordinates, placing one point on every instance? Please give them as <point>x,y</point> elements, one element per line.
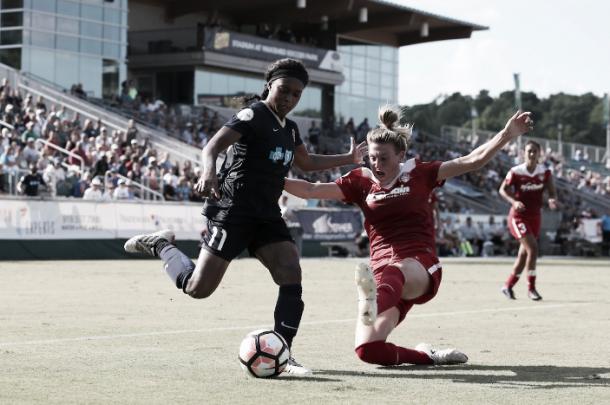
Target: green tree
<point>581,116</point>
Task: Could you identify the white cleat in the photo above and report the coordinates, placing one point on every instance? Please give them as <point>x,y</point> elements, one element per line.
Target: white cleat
<point>145,243</point>
<point>294,368</point>
<point>367,294</point>
<point>442,357</point>
<point>533,295</point>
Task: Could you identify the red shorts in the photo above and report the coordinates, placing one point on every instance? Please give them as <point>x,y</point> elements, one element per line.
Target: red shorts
<point>521,226</point>
<point>431,264</point>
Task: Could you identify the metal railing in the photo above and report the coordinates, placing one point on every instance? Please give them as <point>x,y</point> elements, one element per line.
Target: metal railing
<point>7,125</point>
<point>567,150</point>
<point>64,151</point>
<point>160,139</point>
<point>598,202</point>
<point>13,179</point>
<point>145,191</point>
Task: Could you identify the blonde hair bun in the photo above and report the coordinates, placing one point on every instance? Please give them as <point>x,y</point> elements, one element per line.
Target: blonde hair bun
<point>389,118</point>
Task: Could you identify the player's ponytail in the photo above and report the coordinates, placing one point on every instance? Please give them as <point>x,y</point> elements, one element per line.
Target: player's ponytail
<point>390,130</point>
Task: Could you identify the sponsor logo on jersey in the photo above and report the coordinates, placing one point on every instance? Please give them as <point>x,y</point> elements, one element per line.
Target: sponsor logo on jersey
<point>279,155</point>
<point>531,187</point>
<point>246,114</point>
<point>397,192</point>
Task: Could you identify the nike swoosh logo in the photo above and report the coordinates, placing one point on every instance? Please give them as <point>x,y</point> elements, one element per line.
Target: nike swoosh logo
<point>287,326</point>
<point>275,129</point>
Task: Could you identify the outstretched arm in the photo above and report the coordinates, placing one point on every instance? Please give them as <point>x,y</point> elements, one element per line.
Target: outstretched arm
<point>517,125</point>
<point>309,162</point>
<point>306,190</point>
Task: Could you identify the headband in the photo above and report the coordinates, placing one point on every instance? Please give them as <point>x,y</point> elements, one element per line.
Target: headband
<point>293,73</point>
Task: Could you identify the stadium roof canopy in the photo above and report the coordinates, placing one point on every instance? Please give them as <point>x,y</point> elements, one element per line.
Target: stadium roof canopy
<point>387,23</point>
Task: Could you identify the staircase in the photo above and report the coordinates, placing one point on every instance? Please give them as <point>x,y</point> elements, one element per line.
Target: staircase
<point>178,151</point>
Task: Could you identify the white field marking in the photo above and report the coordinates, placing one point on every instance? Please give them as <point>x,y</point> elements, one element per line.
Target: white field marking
<point>253,327</point>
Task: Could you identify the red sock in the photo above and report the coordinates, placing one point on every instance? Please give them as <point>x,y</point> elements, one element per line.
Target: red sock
<point>512,280</point>
<point>389,288</point>
<point>388,354</point>
<point>531,279</point>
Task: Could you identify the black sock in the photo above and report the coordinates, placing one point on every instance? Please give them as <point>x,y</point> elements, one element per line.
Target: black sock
<point>288,311</point>
<point>177,265</point>
<point>160,245</point>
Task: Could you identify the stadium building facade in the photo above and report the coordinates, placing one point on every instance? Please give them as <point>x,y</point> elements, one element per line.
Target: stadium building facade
<point>196,52</point>
<point>67,42</point>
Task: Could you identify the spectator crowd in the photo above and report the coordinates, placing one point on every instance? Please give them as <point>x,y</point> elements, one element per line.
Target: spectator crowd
<point>46,150</point>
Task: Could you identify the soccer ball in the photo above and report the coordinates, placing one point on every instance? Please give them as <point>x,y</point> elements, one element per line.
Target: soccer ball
<point>263,353</point>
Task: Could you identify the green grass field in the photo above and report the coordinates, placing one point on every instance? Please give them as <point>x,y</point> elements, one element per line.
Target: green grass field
<point>100,332</point>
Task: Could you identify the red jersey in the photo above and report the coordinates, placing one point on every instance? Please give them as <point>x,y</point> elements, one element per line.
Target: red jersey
<point>397,217</point>
<point>528,188</point>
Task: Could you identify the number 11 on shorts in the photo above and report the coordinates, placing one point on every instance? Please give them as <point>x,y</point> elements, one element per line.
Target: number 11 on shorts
<point>218,232</point>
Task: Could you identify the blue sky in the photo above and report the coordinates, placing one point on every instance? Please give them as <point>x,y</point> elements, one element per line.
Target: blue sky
<point>555,46</point>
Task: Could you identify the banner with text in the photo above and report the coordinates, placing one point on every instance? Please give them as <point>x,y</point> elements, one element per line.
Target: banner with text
<point>253,47</point>
<point>27,219</point>
<point>327,225</point>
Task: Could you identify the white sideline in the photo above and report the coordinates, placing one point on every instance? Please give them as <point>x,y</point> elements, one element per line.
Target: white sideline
<point>252,327</point>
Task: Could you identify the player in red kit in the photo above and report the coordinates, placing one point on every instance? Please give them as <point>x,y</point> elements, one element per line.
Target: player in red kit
<point>523,188</point>
<point>394,197</point>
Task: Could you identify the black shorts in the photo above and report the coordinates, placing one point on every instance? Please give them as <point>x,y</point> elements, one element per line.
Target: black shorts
<point>229,240</point>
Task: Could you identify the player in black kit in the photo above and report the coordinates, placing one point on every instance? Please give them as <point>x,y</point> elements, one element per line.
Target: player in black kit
<point>242,210</point>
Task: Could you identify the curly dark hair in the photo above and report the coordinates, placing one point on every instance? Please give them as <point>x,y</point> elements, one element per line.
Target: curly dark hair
<point>280,64</point>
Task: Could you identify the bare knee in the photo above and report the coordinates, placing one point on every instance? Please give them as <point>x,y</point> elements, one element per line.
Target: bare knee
<point>288,274</point>
<point>531,251</point>
<point>199,294</point>
<point>198,291</point>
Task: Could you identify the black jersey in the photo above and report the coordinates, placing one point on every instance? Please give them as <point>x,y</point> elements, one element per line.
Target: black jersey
<point>31,183</point>
<point>252,177</point>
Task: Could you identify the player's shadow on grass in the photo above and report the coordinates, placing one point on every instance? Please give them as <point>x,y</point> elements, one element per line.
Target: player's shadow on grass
<point>537,377</point>
<point>313,378</point>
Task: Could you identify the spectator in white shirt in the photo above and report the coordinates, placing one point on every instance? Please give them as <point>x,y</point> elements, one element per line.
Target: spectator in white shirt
<point>94,191</point>
<point>122,191</point>
<point>109,191</point>
<point>471,233</point>
<point>53,174</point>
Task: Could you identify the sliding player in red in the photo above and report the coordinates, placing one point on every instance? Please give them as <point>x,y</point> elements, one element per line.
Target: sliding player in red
<point>394,197</point>
<point>523,188</point>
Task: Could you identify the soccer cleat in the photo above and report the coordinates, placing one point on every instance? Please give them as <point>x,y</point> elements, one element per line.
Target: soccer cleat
<point>146,243</point>
<point>533,295</point>
<point>367,294</point>
<point>293,367</point>
<point>508,292</point>
<point>442,357</point>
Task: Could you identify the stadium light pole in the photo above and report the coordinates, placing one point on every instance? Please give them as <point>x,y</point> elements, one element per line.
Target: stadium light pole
<point>607,119</point>
<point>560,139</point>
<point>519,106</point>
<point>473,117</point>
